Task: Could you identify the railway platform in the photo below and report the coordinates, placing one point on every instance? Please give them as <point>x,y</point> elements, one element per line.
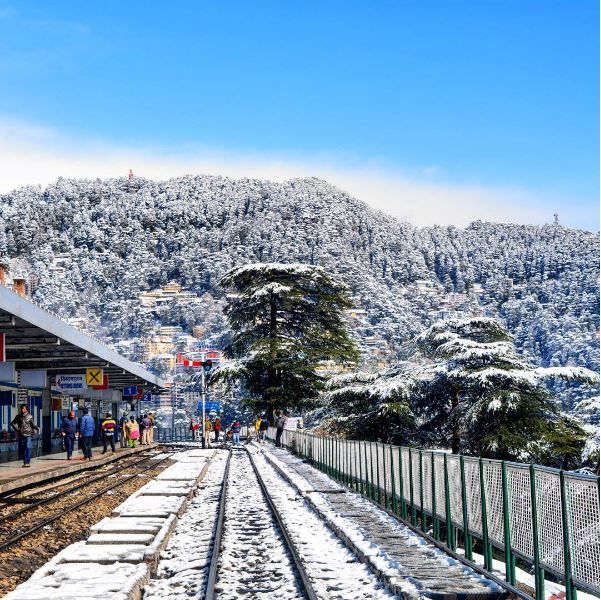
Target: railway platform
<point>13,477</point>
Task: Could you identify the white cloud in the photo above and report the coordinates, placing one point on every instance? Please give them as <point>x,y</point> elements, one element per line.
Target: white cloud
<point>37,155</point>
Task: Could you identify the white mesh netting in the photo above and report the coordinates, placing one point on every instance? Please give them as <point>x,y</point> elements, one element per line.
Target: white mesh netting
<point>364,460</point>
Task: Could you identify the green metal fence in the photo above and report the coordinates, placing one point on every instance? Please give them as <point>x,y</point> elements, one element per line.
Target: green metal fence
<point>547,518</point>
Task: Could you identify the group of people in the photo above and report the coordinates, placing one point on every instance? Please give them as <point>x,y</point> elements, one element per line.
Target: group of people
<point>232,433</point>
<point>261,427</point>
<point>83,429</point>
<point>136,430</point>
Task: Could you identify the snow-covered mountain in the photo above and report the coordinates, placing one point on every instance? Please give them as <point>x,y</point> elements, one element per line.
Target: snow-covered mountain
<point>114,238</point>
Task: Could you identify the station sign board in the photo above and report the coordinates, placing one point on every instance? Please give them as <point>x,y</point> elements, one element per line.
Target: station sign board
<point>71,383</point>
<point>213,406</point>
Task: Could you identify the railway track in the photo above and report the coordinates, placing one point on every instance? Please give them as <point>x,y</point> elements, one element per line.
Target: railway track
<point>13,532</point>
<point>253,553</point>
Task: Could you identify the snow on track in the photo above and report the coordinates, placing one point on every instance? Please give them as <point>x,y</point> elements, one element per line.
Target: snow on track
<point>184,564</point>
<point>334,571</point>
<point>254,561</point>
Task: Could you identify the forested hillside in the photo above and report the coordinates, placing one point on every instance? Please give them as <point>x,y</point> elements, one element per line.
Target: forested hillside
<point>118,237</point>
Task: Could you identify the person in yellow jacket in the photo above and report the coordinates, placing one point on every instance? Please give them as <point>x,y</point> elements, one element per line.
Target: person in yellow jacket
<point>257,427</point>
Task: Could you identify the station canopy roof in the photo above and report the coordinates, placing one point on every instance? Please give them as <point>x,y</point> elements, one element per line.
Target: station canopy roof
<point>37,339</point>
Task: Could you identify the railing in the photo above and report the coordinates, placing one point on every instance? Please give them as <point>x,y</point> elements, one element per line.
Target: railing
<point>547,518</point>
<point>175,434</point>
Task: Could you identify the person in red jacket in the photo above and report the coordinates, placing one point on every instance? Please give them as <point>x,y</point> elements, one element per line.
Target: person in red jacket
<point>217,428</point>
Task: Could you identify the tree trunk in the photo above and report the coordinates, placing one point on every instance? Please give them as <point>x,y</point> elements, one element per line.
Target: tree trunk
<point>273,347</point>
<point>455,438</point>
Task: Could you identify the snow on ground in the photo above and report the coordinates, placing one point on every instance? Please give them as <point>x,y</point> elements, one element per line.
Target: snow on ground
<point>184,563</point>
<point>552,589</point>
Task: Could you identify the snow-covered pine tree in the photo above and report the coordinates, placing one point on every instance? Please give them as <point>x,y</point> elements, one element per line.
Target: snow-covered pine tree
<point>372,406</point>
<point>494,398</point>
<point>285,319</point>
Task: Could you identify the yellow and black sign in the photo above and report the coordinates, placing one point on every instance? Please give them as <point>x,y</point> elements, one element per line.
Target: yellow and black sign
<point>94,376</point>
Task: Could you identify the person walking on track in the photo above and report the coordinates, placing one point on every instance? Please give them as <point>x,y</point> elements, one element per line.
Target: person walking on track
<point>108,428</point>
<point>236,427</point>
<point>147,423</point>
<point>69,431</point>
<point>263,429</point>
<point>23,424</point>
<point>87,426</point>
<point>133,432</point>
<point>217,428</point>
<point>280,423</point>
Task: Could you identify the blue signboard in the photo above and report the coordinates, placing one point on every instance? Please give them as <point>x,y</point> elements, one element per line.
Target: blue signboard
<point>132,390</point>
<point>210,406</point>
<point>147,397</point>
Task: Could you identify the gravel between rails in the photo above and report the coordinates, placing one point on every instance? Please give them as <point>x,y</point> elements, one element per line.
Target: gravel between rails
<point>254,561</point>
<point>333,569</point>
<point>65,485</point>
<point>20,561</point>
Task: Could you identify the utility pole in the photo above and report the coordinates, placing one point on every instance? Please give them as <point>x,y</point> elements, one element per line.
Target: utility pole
<point>203,399</point>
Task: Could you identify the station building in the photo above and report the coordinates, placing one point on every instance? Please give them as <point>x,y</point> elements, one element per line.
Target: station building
<point>48,364</point>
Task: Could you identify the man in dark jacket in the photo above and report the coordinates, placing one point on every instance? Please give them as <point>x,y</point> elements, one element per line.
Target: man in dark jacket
<point>23,424</point>
<point>69,431</point>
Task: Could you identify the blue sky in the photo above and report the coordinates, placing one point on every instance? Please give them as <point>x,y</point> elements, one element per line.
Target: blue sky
<point>485,108</point>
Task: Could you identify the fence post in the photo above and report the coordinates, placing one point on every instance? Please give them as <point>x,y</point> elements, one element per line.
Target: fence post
<point>539,573</point>
<point>385,478</point>
<point>467,537</point>
<point>567,554</point>
<point>421,492</point>
<point>447,500</point>
<point>487,546</point>
<point>435,520</point>
<point>413,511</point>
<point>401,486</point>
<point>349,471</point>
<point>356,468</point>
<point>395,501</point>
<point>378,473</point>
<point>371,468</point>
<point>367,489</point>
<point>509,557</point>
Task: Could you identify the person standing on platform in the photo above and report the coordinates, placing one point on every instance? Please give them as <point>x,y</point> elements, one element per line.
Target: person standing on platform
<point>69,431</point>
<point>263,429</point>
<point>141,428</point>
<point>108,428</point>
<point>147,428</point>
<point>87,426</point>
<point>151,432</point>
<point>258,428</point>
<point>122,431</point>
<point>280,423</point>
<point>217,428</point>
<point>133,432</point>
<point>208,428</point>
<point>23,424</point>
